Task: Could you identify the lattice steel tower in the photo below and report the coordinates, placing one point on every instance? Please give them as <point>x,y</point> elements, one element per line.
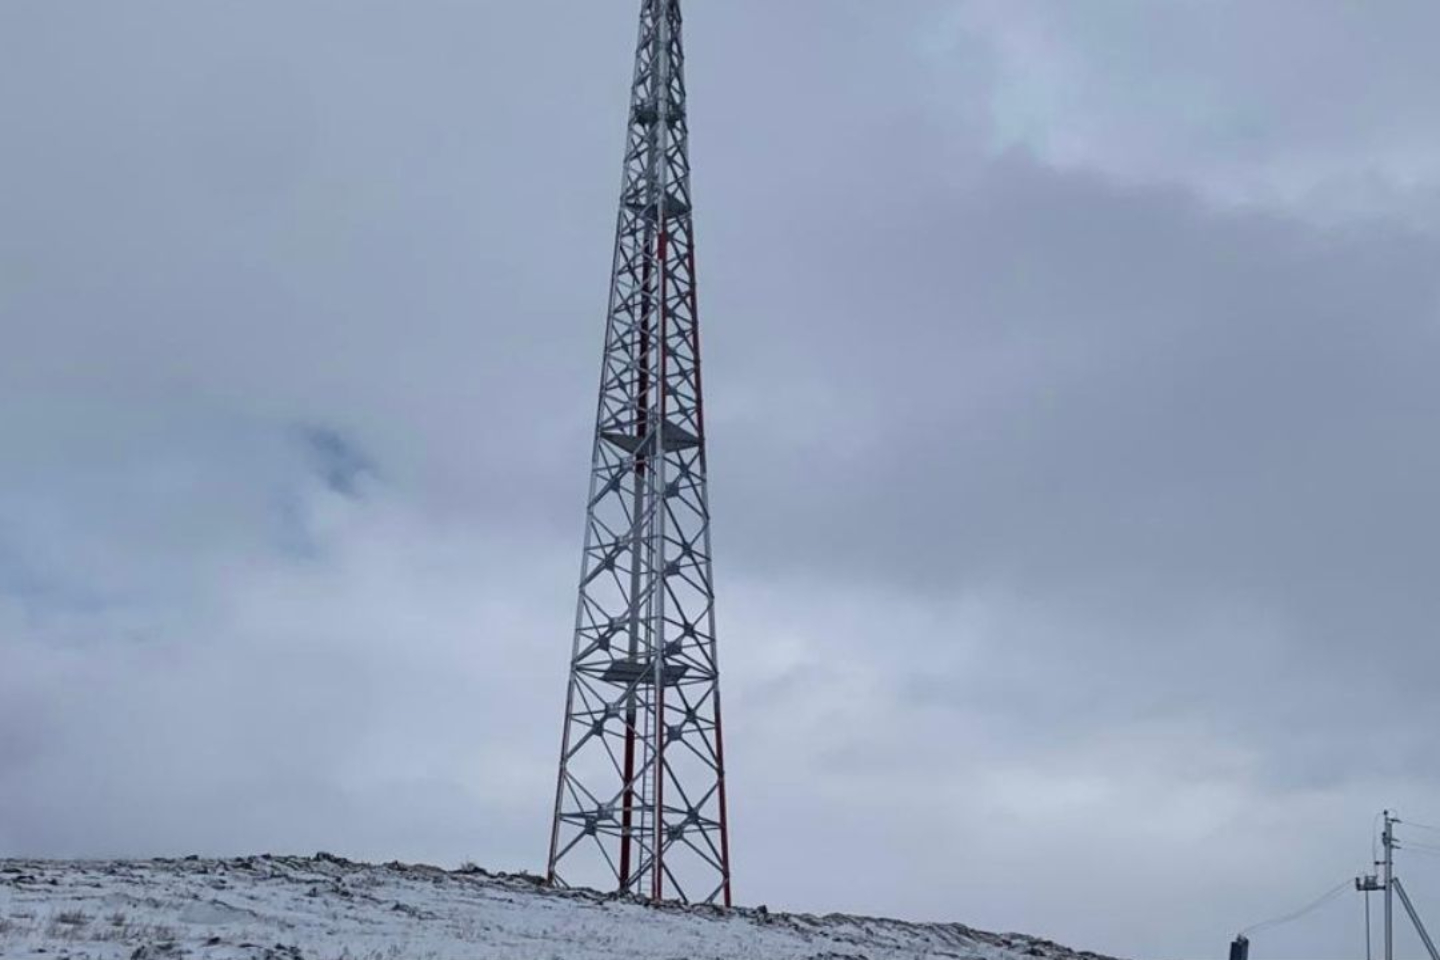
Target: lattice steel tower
<point>640,803</point>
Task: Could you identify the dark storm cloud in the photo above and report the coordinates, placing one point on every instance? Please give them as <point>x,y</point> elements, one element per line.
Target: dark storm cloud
<point>1072,459</point>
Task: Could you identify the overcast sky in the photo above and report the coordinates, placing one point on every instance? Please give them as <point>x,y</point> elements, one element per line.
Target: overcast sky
<point>1071,373</point>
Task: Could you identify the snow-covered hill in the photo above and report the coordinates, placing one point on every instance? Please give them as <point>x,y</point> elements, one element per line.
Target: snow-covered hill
<point>326,908</point>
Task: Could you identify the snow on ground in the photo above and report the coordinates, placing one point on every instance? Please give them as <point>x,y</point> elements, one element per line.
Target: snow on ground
<point>326,908</point>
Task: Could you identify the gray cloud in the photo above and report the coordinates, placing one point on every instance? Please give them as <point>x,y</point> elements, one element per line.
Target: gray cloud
<point>1316,108</point>
<point>1071,464</point>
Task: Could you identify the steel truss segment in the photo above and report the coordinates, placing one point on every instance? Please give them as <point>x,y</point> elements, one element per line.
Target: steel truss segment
<point>640,797</point>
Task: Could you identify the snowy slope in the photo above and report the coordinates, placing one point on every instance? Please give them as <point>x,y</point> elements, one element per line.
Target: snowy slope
<point>325,908</point>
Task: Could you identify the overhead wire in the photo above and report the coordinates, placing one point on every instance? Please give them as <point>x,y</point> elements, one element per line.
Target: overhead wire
<point>1432,850</point>
<point>1287,918</point>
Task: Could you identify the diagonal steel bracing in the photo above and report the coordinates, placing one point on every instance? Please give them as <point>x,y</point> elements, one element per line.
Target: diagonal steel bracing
<point>640,800</point>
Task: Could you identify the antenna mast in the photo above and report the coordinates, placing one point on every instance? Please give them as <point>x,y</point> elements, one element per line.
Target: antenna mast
<point>640,801</point>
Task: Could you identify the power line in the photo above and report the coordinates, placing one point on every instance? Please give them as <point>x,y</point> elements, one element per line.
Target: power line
<point>1326,898</point>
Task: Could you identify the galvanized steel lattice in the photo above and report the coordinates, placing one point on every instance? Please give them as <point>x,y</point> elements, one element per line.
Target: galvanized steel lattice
<point>640,803</point>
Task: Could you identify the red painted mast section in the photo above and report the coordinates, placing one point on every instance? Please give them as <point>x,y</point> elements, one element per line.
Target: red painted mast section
<point>705,470</point>
<point>642,424</point>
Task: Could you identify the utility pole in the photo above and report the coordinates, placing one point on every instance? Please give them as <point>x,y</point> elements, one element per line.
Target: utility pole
<point>1415,919</point>
<point>1391,885</point>
<point>1367,885</point>
<point>1370,883</point>
<point>1388,839</point>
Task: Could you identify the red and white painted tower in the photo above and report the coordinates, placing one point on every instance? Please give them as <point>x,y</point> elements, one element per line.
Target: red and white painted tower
<point>640,803</point>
